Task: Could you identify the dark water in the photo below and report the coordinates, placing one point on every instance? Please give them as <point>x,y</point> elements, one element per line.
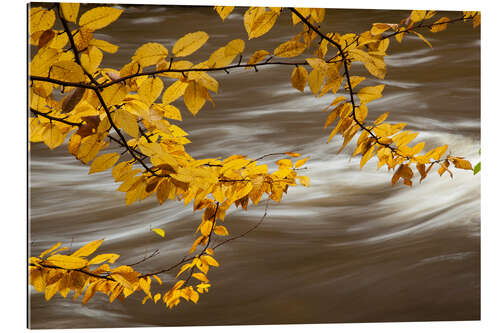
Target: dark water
<point>351,248</point>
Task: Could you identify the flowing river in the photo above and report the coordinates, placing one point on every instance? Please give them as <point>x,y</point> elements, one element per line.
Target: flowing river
<point>350,248</point>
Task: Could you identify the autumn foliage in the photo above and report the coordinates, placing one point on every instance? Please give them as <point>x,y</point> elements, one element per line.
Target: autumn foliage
<point>72,97</point>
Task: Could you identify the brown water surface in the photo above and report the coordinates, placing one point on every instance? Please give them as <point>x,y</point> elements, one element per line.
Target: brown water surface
<point>351,248</point>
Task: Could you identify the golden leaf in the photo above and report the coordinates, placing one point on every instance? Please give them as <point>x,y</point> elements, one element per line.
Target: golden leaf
<point>234,47</point>
<point>99,17</point>
<point>99,259</point>
<point>221,230</point>
<point>190,43</point>
<point>256,57</point>
<point>68,262</point>
<point>104,162</point>
<point>223,11</point>
<point>174,91</point>
<point>40,19</point>
<point>104,45</point>
<point>258,21</point>
<point>194,97</point>
<point>291,48</point>
<point>67,70</point>
<point>55,246</point>
<point>126,122</point>
<point>70,11</point>
<point>315,80</point>
<point>159,232</point>
<point>168,111</point>
<point>374,65</point>
<point>200,276</point>
<point>87,249</point>
<point>150,54</point>
<point>92,60</point>
<point>369,94</point>
<point>417,15</point>
<point>299,78</point>
<point>150,89</point>
<point>440,24</point>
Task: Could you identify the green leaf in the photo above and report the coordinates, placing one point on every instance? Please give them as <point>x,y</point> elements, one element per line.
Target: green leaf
<point>477,168</point>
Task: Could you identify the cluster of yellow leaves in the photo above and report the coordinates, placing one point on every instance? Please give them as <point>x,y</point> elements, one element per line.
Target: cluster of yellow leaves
<point>52,272</point>
<point>136,102</point>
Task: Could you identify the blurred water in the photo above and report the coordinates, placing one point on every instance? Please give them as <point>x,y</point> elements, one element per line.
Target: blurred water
<point>349,248</point>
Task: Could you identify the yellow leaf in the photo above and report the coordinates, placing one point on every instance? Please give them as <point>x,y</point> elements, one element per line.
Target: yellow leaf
<point>299,78</point>
<point>422,38</point>
<point>223,11</point>
<point>190,43</point>
<point>440,24</point>
<point>461,163</point>
<point>209,260</point>
<point>87,249</point>
<point>221,230</point>
<point>174,91</point>
<point>114,95</point>
<point>194,97</point>
<point>158,279</point>
<point>70,11</point>
<point>301,162</point>
<point>40,19</point>
<point>200,276</point>
<point>92,60</point>
<point>150,54</point>
<point>99,17</point>
<point>104,162</point>
<point>99,259</point>
<point>150,89</point>
<point>44,253</point>
<point>68,262</point>
<point>304,180</point>
<point>381,118</point>
<point>256,57</point>
<point>370,93</point>
<point>374,65</point>
<point>159,232</point>
<point>67,70</point>
<point>104,45</point>
<point>169,111</point>
<point>315,80</point>
<point>417,15</point>
<point>366,156</point>
<point>291,48</point>
<point>126,122</point>
<point>157,297</point>
<point>53,137</point>
<point>291,154</point>
<point>378,28</point>
<point>234,47</point>
<point>258,21</point>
